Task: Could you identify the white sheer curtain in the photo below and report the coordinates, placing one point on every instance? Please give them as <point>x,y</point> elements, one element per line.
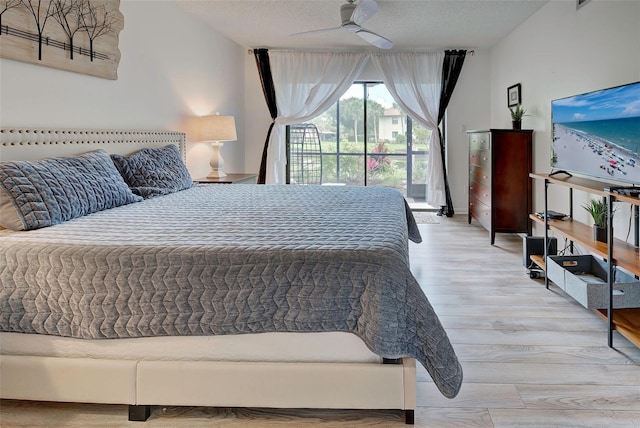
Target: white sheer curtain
<point>415,81</point>
<point>306,84</point>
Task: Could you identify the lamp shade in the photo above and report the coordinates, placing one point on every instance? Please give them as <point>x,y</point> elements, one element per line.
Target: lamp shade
<point>218,128</point>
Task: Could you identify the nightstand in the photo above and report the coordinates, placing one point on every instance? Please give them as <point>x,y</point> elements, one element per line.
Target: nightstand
<point>230,179</point>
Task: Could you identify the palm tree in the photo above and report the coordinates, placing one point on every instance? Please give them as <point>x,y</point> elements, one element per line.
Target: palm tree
<point>374,111</point>
<point>350,113</point>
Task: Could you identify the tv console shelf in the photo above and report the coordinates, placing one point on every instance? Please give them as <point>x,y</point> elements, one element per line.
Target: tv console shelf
<point>627,256</point>
<point>619,253</point>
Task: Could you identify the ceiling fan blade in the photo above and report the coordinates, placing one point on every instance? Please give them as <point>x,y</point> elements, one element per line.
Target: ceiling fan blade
<point>324,30</point>
<point>375,39</point>
<point>365,10</point>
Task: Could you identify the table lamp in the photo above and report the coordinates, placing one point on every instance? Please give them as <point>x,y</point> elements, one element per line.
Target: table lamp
<point>216,130</point>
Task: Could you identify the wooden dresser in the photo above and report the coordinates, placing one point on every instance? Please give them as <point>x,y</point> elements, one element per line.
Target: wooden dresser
<point>500,189</point>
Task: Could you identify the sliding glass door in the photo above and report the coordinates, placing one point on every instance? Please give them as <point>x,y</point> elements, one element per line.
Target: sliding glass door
<point>366,139</point>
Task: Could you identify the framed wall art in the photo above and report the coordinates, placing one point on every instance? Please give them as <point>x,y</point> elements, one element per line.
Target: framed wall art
<point>514,96</point>
<point>74,35</point>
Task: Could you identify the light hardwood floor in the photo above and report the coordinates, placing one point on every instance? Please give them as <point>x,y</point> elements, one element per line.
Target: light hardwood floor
<point>531,357</point>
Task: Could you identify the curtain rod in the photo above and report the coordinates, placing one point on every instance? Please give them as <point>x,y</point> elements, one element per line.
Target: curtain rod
<point>470,52</point>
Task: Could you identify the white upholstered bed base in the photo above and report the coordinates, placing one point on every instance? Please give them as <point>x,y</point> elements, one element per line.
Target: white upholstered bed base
<point>348,385</point>
<point>141,383</point>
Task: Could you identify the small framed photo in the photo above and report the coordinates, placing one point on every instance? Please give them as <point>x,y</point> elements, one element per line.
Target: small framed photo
<point>514,95</point>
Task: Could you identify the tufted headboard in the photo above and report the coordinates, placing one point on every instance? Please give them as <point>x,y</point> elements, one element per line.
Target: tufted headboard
<point>32,144</point>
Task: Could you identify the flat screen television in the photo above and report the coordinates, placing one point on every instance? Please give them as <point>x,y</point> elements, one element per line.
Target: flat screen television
<point>598,134</point>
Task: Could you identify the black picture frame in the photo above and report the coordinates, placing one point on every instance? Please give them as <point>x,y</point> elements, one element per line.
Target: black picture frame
<point>514,95</point>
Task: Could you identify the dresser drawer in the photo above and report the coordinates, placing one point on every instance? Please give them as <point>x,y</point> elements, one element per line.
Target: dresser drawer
<point>480,141</point>
<point>480,192</point>
<point>480,212</point>
<point>480,175</point>
<point>481,158</point>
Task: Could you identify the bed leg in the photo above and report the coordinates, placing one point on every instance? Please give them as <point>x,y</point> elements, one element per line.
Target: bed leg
<point>139,413</point>
<point>409,417</point>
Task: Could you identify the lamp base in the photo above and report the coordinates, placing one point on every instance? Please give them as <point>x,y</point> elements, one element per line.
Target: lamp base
<point>216,161</point>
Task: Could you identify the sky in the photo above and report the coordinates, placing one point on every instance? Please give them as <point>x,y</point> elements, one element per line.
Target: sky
<point>378,93</point>
<point>612,103</point>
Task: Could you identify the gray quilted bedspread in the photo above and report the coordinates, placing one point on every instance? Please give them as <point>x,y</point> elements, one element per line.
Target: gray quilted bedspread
<point>231,259</point>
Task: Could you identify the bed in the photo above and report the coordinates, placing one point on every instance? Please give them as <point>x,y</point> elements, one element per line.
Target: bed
<point>211,295</point>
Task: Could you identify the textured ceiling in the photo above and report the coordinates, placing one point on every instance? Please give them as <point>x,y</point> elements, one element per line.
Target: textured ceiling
<point>418,24</point>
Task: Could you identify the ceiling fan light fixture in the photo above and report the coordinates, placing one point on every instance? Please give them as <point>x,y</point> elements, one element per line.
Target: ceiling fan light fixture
<point>350,26</point>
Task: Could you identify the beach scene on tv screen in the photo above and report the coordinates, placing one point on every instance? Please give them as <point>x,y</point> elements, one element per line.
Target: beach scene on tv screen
<point>598,133</point>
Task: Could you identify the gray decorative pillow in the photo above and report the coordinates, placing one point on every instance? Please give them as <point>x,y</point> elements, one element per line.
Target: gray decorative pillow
<point>154,172</point>
<point>35,194</point>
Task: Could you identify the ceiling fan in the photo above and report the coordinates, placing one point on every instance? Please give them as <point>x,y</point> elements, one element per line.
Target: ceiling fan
<point>353,16</point>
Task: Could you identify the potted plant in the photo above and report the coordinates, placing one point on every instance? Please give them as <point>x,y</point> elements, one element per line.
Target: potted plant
<point>598,210</point>
<point>517,113</point>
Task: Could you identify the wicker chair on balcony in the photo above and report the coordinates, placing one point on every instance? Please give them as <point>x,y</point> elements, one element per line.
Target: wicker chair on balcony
<point>305,154</point>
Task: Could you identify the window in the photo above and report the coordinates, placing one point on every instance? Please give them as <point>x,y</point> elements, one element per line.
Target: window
<point>367,140</point>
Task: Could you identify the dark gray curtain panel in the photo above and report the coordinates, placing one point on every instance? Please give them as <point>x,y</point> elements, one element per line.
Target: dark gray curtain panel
<point>266,79</point>
<point>453,61</point>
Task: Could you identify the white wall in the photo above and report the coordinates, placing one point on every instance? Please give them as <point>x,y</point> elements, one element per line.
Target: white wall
<point>558,52</point>
<point>172,68</point>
